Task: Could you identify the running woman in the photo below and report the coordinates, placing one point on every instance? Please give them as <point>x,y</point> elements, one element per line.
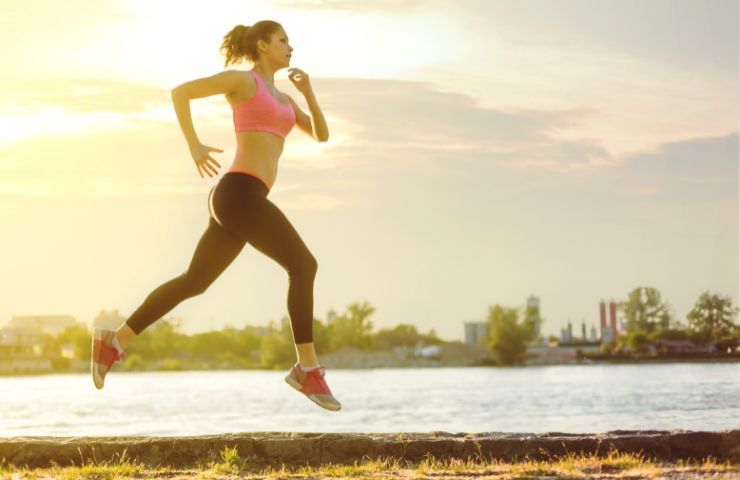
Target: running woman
<point>240,211</point>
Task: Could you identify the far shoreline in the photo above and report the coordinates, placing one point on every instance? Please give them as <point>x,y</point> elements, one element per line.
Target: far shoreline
<point>588,362</point>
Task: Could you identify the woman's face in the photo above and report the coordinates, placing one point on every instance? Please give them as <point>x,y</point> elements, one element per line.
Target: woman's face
<point>279,49</point>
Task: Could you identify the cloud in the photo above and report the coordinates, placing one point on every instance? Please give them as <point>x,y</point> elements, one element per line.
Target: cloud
<point>403,140</point>
<point>391,117</point>
<point>383,6</point>
<point>40,30</point>
<point>82,95</point>
<point>698,170</point>
<point>685,33</point>
<point>83,11</point>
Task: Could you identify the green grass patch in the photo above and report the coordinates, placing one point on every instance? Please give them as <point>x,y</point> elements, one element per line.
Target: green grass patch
<point>229,465</point>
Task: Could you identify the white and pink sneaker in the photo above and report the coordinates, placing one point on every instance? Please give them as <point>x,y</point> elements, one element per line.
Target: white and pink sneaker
<point>313,385</point>
<point>105,352</point>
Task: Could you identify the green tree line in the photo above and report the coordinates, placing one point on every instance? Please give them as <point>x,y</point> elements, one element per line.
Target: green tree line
<point>268,347</point>
<point>648,317</point>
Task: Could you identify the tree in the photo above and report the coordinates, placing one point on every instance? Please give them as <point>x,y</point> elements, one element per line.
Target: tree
<point>321,337</point>
<point>431,338</point>
<point>645,311</point>
<point>637,340</point>
<point>134,361</point>
<point>160,340</point>
<point>507,338</point>
<point>352,328</point>
<point>532,322</point>
<point>675,333</point>
<point>77,335</point>
<point>210,345</point>
<point>404,335</point>
<point>278,349</point>
<point>712,316</point>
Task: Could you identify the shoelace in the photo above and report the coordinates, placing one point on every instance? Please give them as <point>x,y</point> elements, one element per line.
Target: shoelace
<point>319,376</point>
<point>120,352</point>
<point>117,354</point>
<point>121,355</point>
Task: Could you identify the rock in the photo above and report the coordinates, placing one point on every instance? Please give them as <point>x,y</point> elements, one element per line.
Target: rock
<point>299,448</point>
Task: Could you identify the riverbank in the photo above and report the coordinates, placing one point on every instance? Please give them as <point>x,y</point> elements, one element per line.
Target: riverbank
<point>453,354</point>
<point>316,449</point>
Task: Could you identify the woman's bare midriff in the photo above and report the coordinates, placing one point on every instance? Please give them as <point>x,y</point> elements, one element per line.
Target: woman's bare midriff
<point>258,153</point>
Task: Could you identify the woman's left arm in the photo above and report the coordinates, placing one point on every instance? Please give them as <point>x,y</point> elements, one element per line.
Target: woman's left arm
<point>302,83</point>
<point>320,130</point>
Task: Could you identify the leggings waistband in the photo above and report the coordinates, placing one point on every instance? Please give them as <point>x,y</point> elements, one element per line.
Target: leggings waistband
<point>249,174</point>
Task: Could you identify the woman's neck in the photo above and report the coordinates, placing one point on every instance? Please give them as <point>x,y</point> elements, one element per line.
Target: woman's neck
<point>266,73</point>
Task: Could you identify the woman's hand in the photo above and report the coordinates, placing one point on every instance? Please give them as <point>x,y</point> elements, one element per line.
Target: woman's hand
<point>300,80</point>
<point>201,157</point>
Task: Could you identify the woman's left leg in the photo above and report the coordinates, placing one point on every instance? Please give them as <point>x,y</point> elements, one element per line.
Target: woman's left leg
<point>215,251</point>
<point>271,233</point>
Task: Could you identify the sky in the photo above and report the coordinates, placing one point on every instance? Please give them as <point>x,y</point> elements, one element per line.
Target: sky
<point>480,152</point>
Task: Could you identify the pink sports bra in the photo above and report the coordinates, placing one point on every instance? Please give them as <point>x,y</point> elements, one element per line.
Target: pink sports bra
<point>263,112</point>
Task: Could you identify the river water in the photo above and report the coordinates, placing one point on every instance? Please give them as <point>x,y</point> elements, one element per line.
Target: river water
<point>563,398</point>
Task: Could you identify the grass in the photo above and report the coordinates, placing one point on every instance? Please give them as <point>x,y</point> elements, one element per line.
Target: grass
<point>231,465</point>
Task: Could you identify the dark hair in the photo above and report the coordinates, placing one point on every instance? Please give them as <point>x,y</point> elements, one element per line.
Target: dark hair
<point>241,41</point>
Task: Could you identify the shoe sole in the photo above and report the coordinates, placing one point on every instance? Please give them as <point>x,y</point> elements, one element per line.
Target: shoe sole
<point>294,383</point>
<point>97,379</point>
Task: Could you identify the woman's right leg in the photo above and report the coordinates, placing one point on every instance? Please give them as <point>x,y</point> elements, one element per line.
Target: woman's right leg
<point>241,205</point>
<point>215,251</point>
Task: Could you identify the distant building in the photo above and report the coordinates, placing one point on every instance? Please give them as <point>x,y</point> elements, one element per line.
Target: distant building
<point>476,332</point>
<point>430,351</point>
<point>568,345</point>
<point>21,349</point>
<point>109,319</point>
<point>533,306</point>
<point>566,334</point>
<point>51,324</point>
<point>558,354</point>
<point>25,364</point>
<point>679,346</point>
<point>608,332</point>
<point>613,315</point>
<point>21,339</point>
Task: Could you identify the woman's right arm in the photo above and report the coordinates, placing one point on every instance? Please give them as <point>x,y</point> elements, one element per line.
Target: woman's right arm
<point>220,83</point>
<point>224,83</point>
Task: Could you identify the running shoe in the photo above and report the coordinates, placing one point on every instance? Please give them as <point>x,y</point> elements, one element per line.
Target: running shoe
<point>313,385</point>
<point>105,352</point>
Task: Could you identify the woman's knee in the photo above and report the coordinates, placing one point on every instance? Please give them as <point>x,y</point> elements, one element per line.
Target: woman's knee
<point>306,266</point>
<point>193,285</point>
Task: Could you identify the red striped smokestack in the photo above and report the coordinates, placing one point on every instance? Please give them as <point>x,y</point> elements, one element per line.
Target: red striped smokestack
<point>613,315</point>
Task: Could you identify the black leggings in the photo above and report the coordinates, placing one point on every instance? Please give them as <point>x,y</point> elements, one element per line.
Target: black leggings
<point>240,212</point>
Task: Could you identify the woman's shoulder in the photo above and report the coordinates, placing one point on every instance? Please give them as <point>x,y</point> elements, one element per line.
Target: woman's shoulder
<point>246,86</point>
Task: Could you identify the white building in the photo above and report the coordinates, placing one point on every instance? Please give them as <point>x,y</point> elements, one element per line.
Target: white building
<point>51,324</point>
<point>109,319</point>
<point>476,332</point>
<point>430,351</point>
<point>21,349</point>
<point>534,303</point>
